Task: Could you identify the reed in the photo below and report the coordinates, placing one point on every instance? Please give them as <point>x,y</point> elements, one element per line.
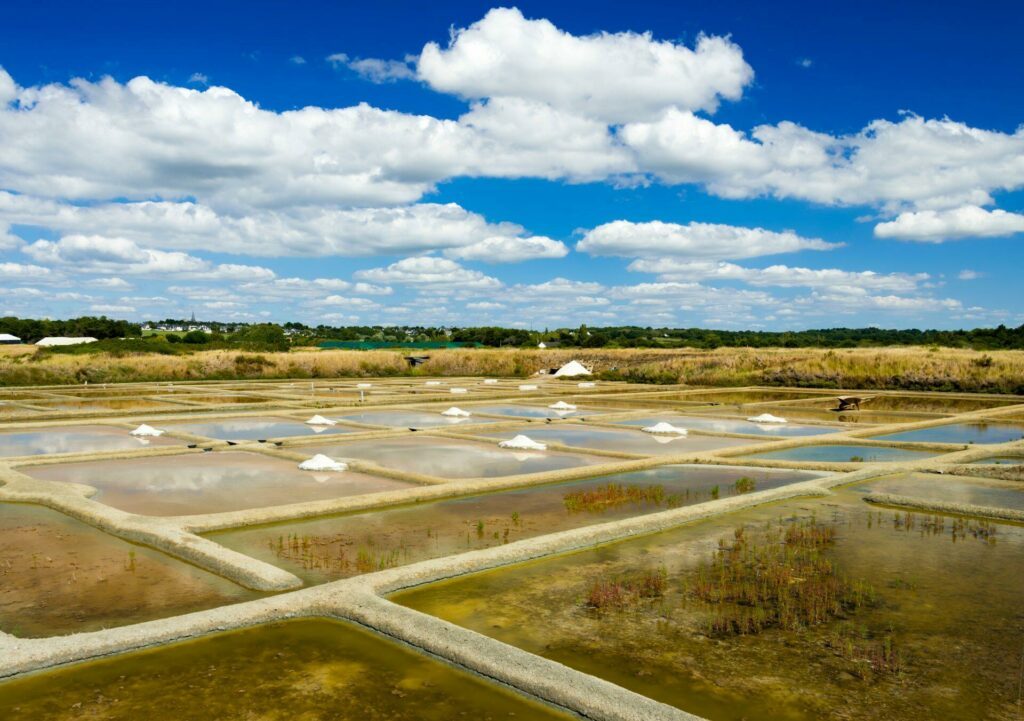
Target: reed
<point>904,368</point>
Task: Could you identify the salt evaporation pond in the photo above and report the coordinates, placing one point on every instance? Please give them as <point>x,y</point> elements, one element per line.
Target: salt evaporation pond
<point>732,425</point>
<point>60,576</point>
<point>931,629</point>
<point>253,429</point>
<point>950,489</point>
<point>447,458</point>
<point>648,444</point>
<point>328,548</point>
<point>75,439</point>
<point>209,482</point>
<point>842,454</point>
<point>314,670</point>
<point>516,411</point>
<point>961,433</point>
<point>410,419</point>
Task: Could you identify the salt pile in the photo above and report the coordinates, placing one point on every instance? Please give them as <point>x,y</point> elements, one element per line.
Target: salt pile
<point>490,381</point>
<point>459,390</point>
<point>320,462</point>
<point>767,418</point>
<point>586,384</point>
<point>562,406</point>
<point>570,369</point>
<point>527,387</point>
<point>433,383</point>
<point>454,412</point>
<point>364,385</point>
<point>321,421</point>
<point>664,428</point>
<point>523,443</point>
<point>145,430</point>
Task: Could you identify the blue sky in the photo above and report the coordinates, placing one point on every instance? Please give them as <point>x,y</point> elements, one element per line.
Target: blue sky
<point>734,165</point>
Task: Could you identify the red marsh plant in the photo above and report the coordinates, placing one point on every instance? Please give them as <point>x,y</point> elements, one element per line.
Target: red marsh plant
<point>626,592</point>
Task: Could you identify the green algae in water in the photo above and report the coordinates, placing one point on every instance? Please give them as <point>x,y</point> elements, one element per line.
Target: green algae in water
<point>946,597</point>
<point>311,670</point>
<point>328,548</point>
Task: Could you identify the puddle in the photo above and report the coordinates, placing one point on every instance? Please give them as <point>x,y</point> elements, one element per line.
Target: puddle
<point>410,419</point>
<point>313,670</point>
<point>937,632</point>
<point>843,454</point>
<point>647,444</point>
<point>75,439</point>
<point>949,489</point>
<point>962,433</point>
<point>325,549</point>
<point>452,458</point>
<point>253,429</point>
<point>731,425</point>
<point>58,576</point>
<point>208,482</point>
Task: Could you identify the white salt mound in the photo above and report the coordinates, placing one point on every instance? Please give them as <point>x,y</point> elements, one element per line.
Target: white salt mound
<point>586,384</point>
<point>459,390</point>
<point>320,462</point>
<point>767,418</point>
<point>454,412</point>
<point>570,369</point>
<point>145,430</point>
<point>527,387</point>
<point>321,421</point>
<point>664,428</point>
<point>490,381</point>
<point>433,383</point>
<point>562,406</point>
<point>364,385</point>
<point>523,443</point>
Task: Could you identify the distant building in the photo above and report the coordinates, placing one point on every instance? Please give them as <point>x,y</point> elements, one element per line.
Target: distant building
<point>8,339</point>
<point>58,340</point>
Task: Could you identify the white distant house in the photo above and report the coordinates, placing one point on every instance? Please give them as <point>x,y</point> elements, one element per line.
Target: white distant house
<point>8,339</point>
<point>59,340</point>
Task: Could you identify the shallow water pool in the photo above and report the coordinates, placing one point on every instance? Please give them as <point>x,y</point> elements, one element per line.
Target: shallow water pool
<point>209,482</point>
<point>314,670</point>
<point>62,576</point>
<point>75,439</point>
<point>843,454</point>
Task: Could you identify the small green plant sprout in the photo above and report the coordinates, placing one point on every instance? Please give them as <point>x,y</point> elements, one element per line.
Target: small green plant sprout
<point>480,529</point>
<point>745,484</point>
<point>515,518</point>
<point>714,493</point>
<point>856,459</point>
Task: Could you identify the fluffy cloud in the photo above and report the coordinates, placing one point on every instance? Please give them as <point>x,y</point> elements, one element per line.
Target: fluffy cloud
<point>294,232</point>
<point>101,254</point>
<point>914,162</point>
<point>8,241</point>
<point>21,271</point>
<point>509,249</point>
<point>429,271</point>
<point>693,240</point>
<point>781,275</point>
<point>936,226</point>
<point>614,77</point>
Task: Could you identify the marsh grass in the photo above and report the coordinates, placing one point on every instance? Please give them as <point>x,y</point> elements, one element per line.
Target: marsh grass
<point>882,368</point>
<point>616,495</point>
<point>776,577</point>
<point>628,591</point>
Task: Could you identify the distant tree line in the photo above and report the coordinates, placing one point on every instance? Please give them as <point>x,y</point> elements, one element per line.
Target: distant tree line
<point>271,336</point>
<point>101,328</point>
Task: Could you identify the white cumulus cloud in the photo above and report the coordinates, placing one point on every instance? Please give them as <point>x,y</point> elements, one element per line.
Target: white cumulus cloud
<point>936,226</point>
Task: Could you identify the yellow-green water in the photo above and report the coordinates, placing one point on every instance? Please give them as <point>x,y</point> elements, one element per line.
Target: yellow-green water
<point>317,670</point>
<point>951,604</point>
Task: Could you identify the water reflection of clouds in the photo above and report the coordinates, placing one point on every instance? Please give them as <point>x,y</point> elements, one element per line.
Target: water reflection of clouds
<point>55,440</point>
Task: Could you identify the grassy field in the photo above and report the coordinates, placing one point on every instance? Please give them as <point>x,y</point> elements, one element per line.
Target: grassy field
<point>883,368</point>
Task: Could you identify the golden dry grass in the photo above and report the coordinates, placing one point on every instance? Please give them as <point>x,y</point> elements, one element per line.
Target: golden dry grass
<point>883,368</point>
